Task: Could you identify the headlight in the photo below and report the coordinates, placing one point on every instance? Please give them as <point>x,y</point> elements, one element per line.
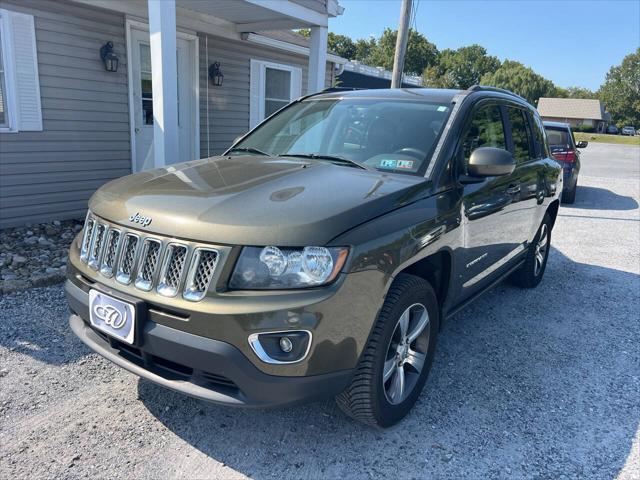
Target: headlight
<point>277,268</point>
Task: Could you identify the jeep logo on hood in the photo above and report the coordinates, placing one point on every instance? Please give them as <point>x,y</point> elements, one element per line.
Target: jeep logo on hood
<point>142,220</point>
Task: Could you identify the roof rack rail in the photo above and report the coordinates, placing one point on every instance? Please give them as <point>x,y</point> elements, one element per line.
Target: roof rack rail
<point>329,90</point>
<point>340,89</point>
<point>484,88</point>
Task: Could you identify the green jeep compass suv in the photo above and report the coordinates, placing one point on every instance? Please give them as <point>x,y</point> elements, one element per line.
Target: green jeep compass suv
<point>321,253</point>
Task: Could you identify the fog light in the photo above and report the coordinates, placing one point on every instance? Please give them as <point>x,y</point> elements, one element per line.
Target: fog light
<point>285,344</point>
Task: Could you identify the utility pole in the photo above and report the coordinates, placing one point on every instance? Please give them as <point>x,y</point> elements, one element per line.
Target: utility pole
<point>401,44</point>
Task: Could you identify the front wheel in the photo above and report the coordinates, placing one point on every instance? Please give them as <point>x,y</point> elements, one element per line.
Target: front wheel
<point>398,356</point>
<point>530,273</point>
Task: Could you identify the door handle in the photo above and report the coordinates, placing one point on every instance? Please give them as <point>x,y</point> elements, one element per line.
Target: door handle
<point>137,129</point>
<point>513,189</point>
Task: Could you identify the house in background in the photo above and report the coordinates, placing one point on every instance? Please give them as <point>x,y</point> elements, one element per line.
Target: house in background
<point>574,111</point>
<point>76,113</point>
<point>354,74</point>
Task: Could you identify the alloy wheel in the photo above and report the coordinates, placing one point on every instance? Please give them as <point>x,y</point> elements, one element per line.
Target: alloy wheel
<point>541,249</point>
<point>406,354</point>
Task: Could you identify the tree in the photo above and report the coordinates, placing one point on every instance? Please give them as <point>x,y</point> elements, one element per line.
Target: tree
<point>460,68</point>
<point>364,49</point>
<point>579,92</point>
<point>562,92</point>
<point>519,79</point>
<point>620,92</point>
<point>341,45</point>
<point>420,52</point>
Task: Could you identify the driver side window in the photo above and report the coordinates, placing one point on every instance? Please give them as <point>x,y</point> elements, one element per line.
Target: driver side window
<point>485,130</point>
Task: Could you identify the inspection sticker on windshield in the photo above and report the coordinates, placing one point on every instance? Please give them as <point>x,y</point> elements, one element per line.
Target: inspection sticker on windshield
<point>442,108</point>
<point>405,164</point>
<point>388,163</point>
<point>396,164</point>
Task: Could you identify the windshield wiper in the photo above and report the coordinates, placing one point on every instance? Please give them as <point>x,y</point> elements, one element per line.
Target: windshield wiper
<point>331,158</point>
<point>249,150</point>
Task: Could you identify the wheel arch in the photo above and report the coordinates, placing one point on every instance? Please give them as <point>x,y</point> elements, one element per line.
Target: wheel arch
<point>552,210</point>
<point>435,269</point>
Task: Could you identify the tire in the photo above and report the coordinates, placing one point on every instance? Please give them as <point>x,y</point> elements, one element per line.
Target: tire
<point>379,403</point>
<point>570,195</point>
<point>532,270</point>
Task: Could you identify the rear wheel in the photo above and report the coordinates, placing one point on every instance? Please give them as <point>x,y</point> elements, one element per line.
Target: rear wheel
<point>398,356</point>
<point>530,273</point>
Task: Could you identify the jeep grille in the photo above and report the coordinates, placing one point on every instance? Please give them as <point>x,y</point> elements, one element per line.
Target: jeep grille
<point>200,273</point>
<point>127,258</point>
<point>172,267</point>
<point>147,262</point>
<point>87,238</point>
<point>95,250</point>
<point>111,250</point>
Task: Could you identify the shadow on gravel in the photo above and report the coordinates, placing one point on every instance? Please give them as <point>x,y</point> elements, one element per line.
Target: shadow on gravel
<point>526,383</point>
<point>34,322</point>
<point>595,198</point>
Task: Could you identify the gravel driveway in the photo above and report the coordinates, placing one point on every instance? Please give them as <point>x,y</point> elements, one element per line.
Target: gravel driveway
<point>525,384</point>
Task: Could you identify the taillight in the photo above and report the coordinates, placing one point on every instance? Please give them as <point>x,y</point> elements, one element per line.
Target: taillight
<point>565,156</point>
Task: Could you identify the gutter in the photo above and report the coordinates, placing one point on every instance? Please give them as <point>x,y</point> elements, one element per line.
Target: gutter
<point>288,47</point>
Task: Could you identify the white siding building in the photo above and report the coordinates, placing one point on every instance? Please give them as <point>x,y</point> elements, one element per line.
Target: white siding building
<point>68,125</point>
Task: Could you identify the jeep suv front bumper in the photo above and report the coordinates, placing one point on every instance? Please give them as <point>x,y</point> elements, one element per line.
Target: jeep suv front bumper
<point>201,367</point>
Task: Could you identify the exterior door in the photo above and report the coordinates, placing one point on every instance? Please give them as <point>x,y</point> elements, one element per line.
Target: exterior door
<point>490,207</point>
<point>527,177</point>
<point>142,98</point>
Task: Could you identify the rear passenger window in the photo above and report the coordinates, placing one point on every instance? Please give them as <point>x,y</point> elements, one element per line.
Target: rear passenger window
<point>520,135</point>
<point>485,130</point>
<point>538,131</point>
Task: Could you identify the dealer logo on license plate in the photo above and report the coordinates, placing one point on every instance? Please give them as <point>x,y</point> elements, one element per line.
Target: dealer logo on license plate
<point>112,316</point>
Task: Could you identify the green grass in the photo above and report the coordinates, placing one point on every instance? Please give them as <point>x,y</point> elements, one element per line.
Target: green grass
<point>602,138</point>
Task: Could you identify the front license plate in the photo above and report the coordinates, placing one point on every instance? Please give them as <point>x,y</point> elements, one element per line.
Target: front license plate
<point>112,316</point>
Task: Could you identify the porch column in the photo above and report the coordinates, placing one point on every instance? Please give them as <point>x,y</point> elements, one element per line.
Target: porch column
<point>317,59</point>
<point>162,30</point>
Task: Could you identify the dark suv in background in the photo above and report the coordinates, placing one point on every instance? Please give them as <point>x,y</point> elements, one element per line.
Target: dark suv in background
<point>320,255</point>
<point>612,130</point>
<point>564,149</point>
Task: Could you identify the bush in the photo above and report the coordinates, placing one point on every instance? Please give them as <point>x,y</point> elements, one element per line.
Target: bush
<point>584,128</point>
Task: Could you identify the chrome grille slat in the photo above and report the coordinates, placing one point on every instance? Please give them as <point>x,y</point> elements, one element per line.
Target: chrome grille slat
<point>172,268</point>
<point>148,263</point>
<point>203,265</point>
<point>95,251</point>
<point>110,252</point>
<point>86,239</point>
<point>127,259</point>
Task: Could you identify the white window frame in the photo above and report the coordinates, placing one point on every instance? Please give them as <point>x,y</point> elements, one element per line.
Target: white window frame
<point>8,62</point>
<point>258,86</point>
<point>21,77</point>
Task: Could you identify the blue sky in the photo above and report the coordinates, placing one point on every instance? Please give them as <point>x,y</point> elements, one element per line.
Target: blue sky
<point>572,43</point>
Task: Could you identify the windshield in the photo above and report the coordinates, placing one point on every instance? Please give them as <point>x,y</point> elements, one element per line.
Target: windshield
<point>388,135</point>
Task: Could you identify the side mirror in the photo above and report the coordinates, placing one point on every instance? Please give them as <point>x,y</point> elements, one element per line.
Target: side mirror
<point>490,162</point>
<point>582,144</point>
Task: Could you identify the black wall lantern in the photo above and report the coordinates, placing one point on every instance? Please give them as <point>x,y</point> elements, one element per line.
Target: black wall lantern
<point>109,57</point>
<point>215,74</point>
